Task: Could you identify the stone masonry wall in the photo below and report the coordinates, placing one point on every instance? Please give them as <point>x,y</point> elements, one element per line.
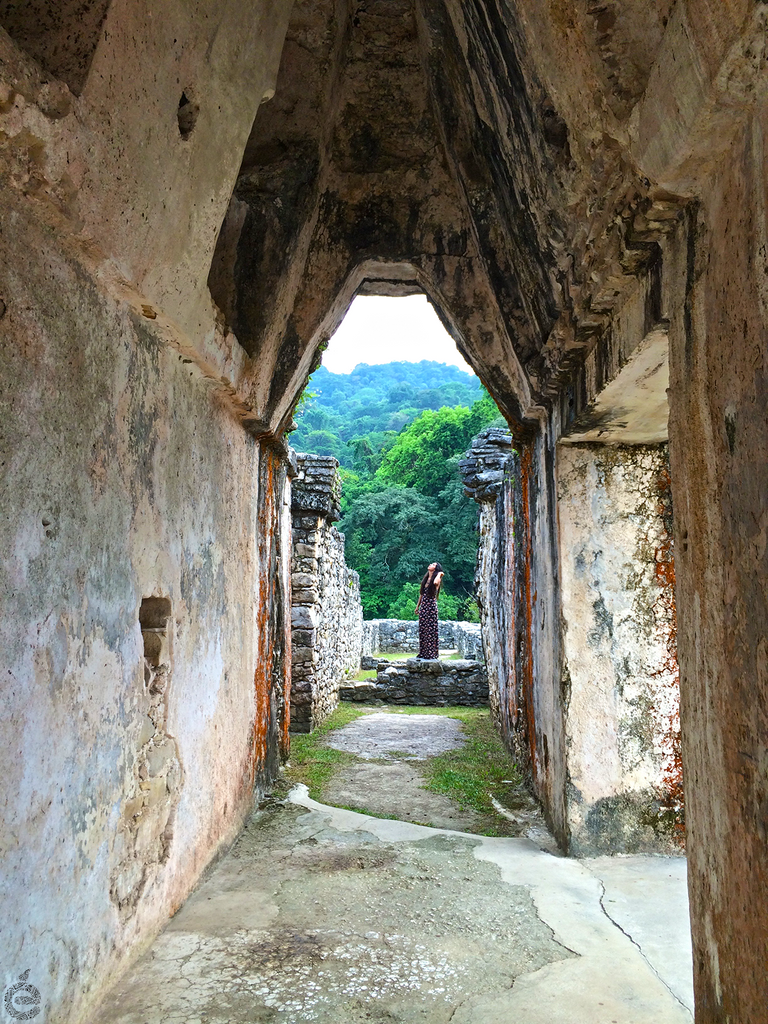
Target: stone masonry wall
<point>326,613</point>
<point>619,687</point>
<point>490,472</point>
<point>428,683</point>
<point>399,636</point>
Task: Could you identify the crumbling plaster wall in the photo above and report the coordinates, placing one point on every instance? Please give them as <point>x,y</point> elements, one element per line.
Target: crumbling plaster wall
<point>122,480</point>
<point>622,697</point>
<point>127,474</point>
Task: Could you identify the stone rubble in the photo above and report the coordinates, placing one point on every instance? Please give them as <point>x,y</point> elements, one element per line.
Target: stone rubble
<point>421,682</point>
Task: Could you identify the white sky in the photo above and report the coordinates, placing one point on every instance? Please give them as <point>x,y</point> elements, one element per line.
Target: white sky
<point>378,329</point>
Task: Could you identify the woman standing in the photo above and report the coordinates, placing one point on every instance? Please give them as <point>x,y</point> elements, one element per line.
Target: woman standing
<point>426,609</point>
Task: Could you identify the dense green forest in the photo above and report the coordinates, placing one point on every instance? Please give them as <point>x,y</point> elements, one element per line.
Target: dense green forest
<point>399,431</point>
<point>374,402</point>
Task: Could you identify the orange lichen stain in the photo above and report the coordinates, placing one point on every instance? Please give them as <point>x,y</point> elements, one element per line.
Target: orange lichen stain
<point>510,692</point>
<point>526,463</point>
<point>271,659</point>
<point>670,792</point>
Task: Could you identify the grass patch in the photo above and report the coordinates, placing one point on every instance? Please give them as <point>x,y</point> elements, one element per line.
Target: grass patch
<point>364,673</point>
<point>470,775</point>
<point>311,762</point>
<point>477,771</point>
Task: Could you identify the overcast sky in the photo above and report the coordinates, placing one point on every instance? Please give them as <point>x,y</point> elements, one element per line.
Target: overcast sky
<point>377,329</point>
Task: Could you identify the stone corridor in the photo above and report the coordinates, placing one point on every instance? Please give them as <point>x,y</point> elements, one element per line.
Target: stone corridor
<point>191,194</point>
<point>322,914</point>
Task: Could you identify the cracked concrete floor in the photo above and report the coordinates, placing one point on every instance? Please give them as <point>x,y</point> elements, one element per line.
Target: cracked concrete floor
<point>322,914</point>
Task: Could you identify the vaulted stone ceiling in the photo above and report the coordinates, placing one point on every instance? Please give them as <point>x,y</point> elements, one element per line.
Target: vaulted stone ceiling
<point>429,144</point>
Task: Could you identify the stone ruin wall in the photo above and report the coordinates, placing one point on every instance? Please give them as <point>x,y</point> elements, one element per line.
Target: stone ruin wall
<point>132,747</point>
<point>326,613</point>
<point>423,683</point>
<point>489,472</point>
<point>132,744</point>
<point>619,686</point>
<point>401,636</point>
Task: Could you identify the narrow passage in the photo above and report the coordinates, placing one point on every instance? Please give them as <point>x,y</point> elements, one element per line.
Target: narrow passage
<point>319,913</point>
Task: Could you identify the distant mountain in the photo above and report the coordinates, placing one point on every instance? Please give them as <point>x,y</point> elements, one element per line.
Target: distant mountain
<point>375,402</point>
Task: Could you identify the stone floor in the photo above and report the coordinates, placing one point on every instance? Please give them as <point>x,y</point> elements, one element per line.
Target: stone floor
<point>322,914</point>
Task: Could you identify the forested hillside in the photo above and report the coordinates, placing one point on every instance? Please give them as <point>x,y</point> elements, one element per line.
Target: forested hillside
<point>371,401</point>
<point>399,431</point>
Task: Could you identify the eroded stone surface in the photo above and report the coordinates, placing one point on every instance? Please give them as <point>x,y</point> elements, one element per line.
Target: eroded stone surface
<point>396,789</point>
<point>623,698</point>
<point>324,915</point>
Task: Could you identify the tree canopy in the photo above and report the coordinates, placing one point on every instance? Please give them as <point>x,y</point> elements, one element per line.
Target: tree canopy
<point>399,442</point>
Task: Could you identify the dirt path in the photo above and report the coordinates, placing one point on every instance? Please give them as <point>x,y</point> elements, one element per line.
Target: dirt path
<point>386,781</point>
<point>393,752</point>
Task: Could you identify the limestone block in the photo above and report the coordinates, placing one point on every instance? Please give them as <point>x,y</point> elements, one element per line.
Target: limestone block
<point>304,617</point>
<point>159,754</point>
<point>157,792</point>
<point>149,833</point>
<point>304,655</point>
<point>147,731</point>
<point>308,565</point>
<point>303,637</point>
<point>305,550</point>
<point>303,580</point>
<point>133,807</point>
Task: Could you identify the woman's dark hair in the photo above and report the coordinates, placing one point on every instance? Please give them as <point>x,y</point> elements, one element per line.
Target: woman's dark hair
<point>428,586</point>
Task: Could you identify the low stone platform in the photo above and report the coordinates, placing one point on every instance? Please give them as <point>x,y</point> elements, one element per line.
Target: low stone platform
<point>421,682</point>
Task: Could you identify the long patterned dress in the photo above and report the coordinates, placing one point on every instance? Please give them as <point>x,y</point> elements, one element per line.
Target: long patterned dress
<point>428,627</point>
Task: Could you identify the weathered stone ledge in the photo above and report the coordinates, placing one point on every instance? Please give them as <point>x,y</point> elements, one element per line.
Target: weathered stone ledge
<point>421,682</point>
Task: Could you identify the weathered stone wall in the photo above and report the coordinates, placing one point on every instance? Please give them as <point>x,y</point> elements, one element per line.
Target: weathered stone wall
<point>142,572</point>
<point>421,682</point>
<point>491,474</point>
<point>400,636</point>
<point>717,305</point>
<point>132,739</point>
<point>622,697</point>
<point>327,614</point>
